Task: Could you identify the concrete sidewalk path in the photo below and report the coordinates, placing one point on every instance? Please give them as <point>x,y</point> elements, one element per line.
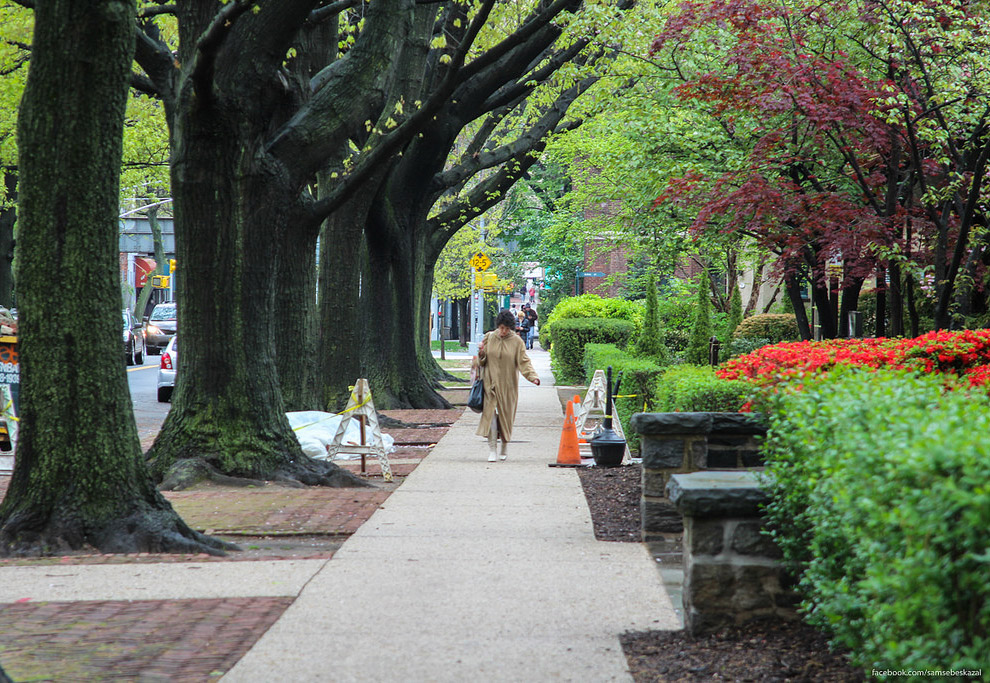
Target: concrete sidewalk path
<point>472,571</point>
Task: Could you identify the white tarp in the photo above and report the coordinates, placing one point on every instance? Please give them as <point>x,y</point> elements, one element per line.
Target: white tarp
<point>315,431</point>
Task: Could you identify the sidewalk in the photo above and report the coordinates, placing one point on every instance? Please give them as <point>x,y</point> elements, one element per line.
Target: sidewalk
<point>473,571</point>
<point>469,571</point>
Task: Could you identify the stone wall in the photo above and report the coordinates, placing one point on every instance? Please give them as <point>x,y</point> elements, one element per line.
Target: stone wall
<point>677,443</point>
<point>732,572</point>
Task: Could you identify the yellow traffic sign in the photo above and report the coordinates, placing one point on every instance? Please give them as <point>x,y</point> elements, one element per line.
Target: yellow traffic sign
<point>480,261</point>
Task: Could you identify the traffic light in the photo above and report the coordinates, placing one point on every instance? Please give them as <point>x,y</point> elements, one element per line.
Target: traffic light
<point>160,281</point>
<point>171,265</point>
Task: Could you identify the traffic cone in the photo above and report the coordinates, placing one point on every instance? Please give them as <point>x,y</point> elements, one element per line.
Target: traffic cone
<point>568,454</point>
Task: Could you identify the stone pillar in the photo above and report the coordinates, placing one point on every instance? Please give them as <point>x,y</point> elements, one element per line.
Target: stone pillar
<point>732,571</point>
<point>672,443</point>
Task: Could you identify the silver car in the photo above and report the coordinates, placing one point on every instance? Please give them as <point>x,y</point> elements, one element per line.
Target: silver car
<point>160,326</point>
<point>133,339</point>
<point>166,371</point>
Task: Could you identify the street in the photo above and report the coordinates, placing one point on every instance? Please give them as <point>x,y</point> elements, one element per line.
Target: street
<point>148,412</point>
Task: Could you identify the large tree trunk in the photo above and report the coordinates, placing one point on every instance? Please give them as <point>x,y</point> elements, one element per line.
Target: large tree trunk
<point>8,216</point>
<point>343,313</point>
<point>295,310</point>
<point>79,476</point>
<point>398,254</point>
<point>232,205</point>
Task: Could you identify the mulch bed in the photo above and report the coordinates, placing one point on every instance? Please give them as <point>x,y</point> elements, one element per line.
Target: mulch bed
<point>764,651</point>
<point>613,498</point>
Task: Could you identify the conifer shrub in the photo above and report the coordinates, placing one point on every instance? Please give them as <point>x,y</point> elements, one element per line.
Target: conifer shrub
<point>701,332</point>
<point>649,343</point>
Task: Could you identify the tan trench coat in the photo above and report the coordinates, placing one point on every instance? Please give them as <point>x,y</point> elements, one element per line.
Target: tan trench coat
<point>501,361</point>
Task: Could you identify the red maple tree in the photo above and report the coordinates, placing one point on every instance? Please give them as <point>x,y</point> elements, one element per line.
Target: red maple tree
<point>856,157</point>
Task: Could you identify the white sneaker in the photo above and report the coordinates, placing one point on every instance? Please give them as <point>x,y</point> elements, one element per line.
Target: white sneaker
<point>504,453</point>
<point>491,455</point>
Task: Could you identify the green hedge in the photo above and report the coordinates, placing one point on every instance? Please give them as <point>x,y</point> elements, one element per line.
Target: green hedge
<point>776,327</point>
<point>881,505</point>
<point>639,379</point>
<point>740,346</point>
<point>691,388</point>
<point>567,353</point>
<point>589,306</point>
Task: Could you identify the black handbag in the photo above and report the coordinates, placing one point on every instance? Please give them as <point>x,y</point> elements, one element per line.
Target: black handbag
<point>476,399</point>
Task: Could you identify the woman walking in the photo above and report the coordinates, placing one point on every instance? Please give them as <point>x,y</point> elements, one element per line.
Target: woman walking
<point>502,356</point>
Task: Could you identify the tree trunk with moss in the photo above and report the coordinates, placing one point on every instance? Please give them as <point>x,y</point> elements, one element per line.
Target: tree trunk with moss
<point>79,477</point>
<point>245,145</point>
<point>8,217</point>
<point>227,408</point>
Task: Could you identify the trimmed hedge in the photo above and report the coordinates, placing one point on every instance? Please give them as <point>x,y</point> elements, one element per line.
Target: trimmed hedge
<point>589,306</point>
<point>639,378</point>
<point>880,504</point>
<point>740,346</point>
<point>776,327</point>
<point>690,388</point>
<point>567,352</point>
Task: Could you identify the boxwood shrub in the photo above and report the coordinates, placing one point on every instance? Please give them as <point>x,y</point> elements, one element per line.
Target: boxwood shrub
<point>570,337</point>
<point>776,327</point>
<point>688,388</point>
<point>639,379</point>
<point>881,505</point>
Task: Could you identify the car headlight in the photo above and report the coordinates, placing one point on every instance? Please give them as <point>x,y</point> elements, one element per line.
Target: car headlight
<point>154,330</point>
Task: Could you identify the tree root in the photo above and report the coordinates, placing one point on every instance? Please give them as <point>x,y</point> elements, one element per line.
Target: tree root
<point>322,473</point>
<point>188,472</point>
<point>151,527</point>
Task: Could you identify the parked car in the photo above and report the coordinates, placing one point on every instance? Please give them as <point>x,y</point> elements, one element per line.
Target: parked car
<point>134,347</point>
<point>160,327</point>
<point>166,371</point>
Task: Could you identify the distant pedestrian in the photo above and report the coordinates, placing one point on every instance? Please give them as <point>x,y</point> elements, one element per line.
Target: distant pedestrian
<point>502,357</point>
<point>533,317</point>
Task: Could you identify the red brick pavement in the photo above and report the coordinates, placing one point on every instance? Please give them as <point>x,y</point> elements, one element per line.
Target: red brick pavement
<point>149,640</point>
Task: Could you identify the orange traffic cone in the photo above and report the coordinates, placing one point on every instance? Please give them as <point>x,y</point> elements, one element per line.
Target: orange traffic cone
<point>568,454</point>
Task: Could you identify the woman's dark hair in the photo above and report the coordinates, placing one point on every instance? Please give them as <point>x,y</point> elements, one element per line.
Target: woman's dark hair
<point>505,317</point>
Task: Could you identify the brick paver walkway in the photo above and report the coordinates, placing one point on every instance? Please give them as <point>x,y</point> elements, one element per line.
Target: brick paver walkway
<point>197,640</point>
<point>149,640</point>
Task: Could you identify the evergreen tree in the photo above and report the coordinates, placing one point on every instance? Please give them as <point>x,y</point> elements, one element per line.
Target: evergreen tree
<point>735,317</point>
<point>649,342</point>
<point>697,351</point>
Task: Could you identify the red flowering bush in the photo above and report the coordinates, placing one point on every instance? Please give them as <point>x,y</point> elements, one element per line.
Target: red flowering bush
<point>963,353</point>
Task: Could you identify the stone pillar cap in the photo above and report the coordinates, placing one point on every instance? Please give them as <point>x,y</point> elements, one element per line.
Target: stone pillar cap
<point>704,423</point>
<point>717,493</point>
